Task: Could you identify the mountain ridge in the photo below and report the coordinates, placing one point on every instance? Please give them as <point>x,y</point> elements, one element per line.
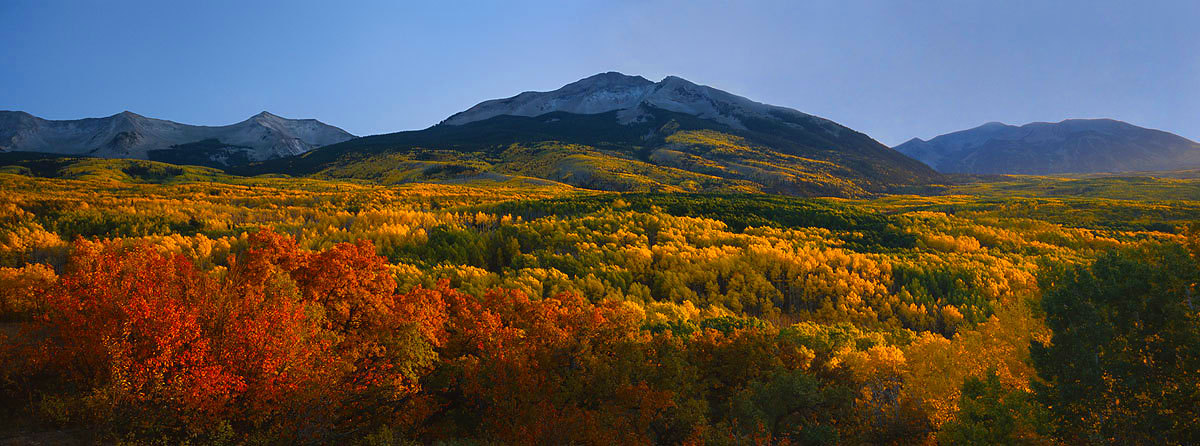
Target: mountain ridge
<point>130,135</point>
<point>1068,146</point>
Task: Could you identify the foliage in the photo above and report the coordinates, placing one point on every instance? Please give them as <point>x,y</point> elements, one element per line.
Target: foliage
<point>142,343</point>
<point>147,303</point>
<point>991,414</point>
<point>1123,364</point>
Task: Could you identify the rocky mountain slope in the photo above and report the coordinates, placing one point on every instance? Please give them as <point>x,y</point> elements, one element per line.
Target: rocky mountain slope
<point>1071,146</point>
<point>616,132</point>
<point>631,96</point>
<point>129,135</point>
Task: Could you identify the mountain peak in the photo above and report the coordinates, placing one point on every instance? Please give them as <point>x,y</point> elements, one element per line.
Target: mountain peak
<point>266,117</point>
<point>611,80</point>
<point>128,115</point>
<point>625,94</point>
<point>614,77</point>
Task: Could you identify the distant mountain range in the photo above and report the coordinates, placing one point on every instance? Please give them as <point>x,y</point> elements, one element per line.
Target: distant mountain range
<point>129,135</point>
<point>617,132</point>
<point>1071,146</point>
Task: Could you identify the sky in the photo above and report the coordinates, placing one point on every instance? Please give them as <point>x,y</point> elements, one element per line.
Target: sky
<point>891,69</point>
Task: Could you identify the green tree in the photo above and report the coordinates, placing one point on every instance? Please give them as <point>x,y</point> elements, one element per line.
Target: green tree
<point>1123,363</point>
<point>794,405</point>
<point>991,414</point>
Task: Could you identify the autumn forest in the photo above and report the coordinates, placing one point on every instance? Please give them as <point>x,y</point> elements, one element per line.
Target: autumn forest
<point>144,303</point>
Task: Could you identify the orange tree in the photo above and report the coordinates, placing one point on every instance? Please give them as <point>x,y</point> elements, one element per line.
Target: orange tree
<point>286,343</point>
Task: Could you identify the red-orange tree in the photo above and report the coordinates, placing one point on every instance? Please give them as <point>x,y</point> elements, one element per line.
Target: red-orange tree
<point>287,342</point>
<point>123,329</point>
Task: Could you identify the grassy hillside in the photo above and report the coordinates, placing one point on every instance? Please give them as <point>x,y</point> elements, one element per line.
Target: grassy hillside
<point>105,169</point>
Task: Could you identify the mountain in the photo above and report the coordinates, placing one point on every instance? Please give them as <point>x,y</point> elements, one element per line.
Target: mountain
<point>617,132</point>
<point>1070,146</point>
<point>626,94</point>
<point>129,135</point>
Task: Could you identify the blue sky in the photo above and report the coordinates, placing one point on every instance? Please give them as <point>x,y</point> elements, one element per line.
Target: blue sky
<point>892,69</point>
